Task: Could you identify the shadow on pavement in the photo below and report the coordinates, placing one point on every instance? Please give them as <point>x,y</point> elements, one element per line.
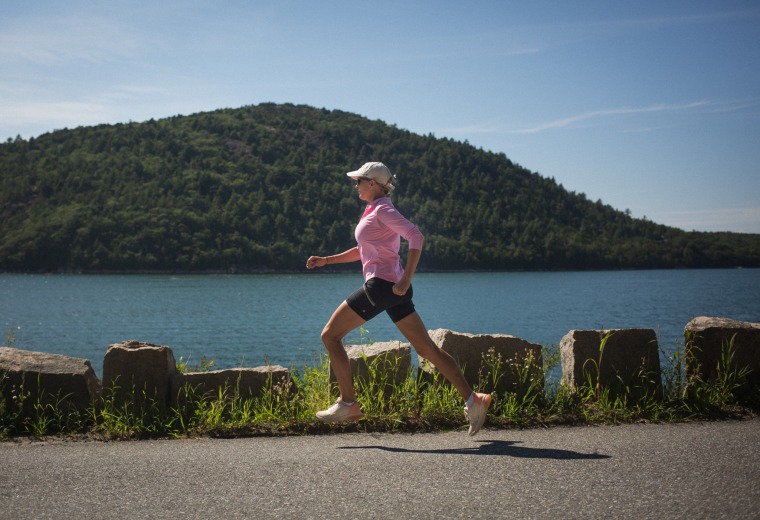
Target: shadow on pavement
<point>503,448</point>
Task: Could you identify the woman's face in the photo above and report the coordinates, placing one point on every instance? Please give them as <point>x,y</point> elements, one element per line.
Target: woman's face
<point>367,189</point>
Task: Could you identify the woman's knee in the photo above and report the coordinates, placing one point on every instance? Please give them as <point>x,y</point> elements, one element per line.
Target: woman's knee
<point>329,337</point>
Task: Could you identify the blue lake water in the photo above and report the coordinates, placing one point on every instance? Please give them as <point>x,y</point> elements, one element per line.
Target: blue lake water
<point>251,320</point>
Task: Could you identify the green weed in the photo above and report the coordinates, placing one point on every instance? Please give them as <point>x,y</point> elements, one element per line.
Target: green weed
<point>204,365</point>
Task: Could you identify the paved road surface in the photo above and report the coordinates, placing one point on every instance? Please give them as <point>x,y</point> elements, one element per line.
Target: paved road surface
<point>689,471</point>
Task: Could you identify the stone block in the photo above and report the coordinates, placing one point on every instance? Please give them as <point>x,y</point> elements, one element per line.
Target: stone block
<point>631,358</point>
<point>705,339</point>
<point>61,381</point>
<point>134,371</point>
<point>245,383</point>
<point>390,361</point>
<point>478,355</point>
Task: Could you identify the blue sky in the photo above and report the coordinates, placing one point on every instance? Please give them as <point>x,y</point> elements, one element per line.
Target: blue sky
<point>650,106</point>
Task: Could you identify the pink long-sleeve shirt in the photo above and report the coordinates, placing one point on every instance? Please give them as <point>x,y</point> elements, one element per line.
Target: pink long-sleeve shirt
<point>378,238</point>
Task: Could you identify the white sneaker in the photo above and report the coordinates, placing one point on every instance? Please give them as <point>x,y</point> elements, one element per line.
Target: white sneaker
<point>476,414</point>
<point>340,412</point>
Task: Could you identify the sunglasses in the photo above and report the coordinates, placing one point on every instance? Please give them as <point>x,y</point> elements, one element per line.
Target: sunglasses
<point>360,179</point>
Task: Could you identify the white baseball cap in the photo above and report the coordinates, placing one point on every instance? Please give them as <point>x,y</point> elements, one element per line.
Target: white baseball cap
<point>375,171</point>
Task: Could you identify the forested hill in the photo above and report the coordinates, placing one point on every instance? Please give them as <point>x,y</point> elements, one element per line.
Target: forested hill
<point>262,187</point>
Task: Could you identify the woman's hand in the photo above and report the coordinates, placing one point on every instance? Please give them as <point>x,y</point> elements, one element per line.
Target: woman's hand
<point>402,286</point>
<point>316,261</point>
<point>412,258</point>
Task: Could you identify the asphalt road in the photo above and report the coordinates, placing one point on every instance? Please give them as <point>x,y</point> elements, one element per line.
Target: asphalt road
<point>689,471</point>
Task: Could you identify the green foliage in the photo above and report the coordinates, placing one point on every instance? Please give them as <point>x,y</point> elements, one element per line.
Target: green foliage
<point>204,365</point>
<point>5,419</point>
<point>418,403</point>
<point>594,375</point>
<point>138,417</point>
<point>262,187</point>
<point>727,387</point>
<point>23,413</point>
<point>524,401</point>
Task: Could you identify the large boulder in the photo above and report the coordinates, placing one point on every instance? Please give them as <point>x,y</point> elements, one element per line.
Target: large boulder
<point>32,378</point>
<point>630,358</point>
<point>386,363</point>
<point>245,383</point>
<point>497,361</point>
<point>706,338</point>
<point>138,372</point>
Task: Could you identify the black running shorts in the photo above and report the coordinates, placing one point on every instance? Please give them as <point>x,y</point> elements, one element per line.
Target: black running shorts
<point>377,296</point>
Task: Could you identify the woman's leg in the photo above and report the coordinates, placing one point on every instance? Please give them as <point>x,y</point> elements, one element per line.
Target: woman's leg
<point>414,330</point>
<point>476,405</point>
<point>343,321</point>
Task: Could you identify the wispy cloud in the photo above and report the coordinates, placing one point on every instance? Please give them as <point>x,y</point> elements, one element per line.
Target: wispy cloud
<point>584,117</point>
<point>50,112</point>
<point>56,113</point>
<point>704,106</point>
<point>745,220</point>
<point>518,52</point>
<point>606,113</point>
<point>696,18</point>
<point>471,129</point>
<point>53,41</point>
<point>459,54</point>
<point>585,30</point>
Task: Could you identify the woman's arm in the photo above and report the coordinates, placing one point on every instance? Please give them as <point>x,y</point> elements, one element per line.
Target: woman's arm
<point>352,255</point>
<point>412,259</point>
<point>394,220</point>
